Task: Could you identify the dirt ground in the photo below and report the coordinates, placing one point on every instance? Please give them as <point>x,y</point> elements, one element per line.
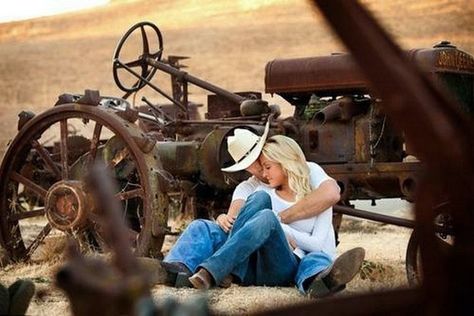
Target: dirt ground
<point>230,43</point>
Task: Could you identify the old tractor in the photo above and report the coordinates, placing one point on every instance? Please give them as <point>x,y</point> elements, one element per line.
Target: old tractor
<point>165,157</point>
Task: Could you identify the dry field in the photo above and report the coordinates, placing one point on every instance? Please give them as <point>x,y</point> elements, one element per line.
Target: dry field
<point>230,43</point>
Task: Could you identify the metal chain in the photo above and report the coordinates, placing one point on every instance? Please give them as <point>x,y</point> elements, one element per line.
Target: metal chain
<point>373,145</point>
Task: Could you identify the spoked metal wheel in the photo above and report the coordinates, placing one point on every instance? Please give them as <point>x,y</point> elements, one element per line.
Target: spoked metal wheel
<point>42,180</point>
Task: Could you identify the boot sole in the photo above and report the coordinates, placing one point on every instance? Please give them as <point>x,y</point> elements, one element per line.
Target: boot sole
<point>343,270</point>
<point>345,267</point>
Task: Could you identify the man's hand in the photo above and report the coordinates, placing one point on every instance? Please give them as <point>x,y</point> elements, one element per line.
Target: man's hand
<point>225,222</point>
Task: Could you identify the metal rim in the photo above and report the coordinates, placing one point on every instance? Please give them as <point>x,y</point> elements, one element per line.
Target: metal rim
<point>26,144</point>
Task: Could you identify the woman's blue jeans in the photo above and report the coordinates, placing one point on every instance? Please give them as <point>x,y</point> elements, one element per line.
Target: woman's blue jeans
<point>256,250</point>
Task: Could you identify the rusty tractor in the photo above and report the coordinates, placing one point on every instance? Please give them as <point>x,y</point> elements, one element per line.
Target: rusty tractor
<point>165,157</point>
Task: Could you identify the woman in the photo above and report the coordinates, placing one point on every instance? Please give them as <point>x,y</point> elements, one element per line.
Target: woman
<point>259,249</point>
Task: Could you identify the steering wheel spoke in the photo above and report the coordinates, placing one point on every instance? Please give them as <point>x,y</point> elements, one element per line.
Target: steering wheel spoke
<point>146,48</point>
<point>135,63</point>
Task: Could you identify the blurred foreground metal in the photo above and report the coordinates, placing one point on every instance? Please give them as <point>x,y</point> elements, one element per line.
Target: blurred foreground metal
<point>443,138</point>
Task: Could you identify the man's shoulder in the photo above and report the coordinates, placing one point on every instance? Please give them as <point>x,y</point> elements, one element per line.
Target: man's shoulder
<point>251,183</point>
<point>253,180</point>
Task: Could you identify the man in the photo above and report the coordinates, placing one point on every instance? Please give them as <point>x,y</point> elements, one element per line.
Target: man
<point>315,275</point>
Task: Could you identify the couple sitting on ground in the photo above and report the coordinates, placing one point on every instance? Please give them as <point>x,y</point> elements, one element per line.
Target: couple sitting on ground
<point>278,230</point>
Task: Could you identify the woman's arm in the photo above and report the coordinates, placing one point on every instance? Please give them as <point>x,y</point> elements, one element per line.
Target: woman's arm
<point>315,241</point>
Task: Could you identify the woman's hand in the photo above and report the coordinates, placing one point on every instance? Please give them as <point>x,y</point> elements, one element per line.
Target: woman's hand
<point>292,242</point>
<point>225,222</point>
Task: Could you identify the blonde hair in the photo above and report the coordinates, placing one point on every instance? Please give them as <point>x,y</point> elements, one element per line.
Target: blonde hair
<point>288,154</point>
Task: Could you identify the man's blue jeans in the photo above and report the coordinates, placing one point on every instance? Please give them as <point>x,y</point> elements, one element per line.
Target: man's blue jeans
<point>256,251</point>
<point>200,240</point>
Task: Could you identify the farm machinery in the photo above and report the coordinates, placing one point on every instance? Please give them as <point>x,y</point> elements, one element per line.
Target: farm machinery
<point>164,156</point>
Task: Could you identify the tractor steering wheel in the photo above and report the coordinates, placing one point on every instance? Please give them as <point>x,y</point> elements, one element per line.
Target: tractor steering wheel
<point>147,71</point>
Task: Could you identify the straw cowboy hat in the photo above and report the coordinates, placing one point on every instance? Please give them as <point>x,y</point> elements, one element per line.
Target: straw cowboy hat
<point>245,147</point>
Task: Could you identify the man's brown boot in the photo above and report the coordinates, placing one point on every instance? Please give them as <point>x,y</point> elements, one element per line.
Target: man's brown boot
<point>201,279</point>
<point>226,282</point>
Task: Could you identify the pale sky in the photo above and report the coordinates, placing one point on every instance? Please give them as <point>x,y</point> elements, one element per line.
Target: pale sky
<point>13,10</point>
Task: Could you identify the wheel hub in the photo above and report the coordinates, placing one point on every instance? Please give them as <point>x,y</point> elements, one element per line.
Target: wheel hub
<point>67,205</point>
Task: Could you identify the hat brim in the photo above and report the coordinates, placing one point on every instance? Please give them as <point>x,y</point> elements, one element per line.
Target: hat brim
<point>254,154</point>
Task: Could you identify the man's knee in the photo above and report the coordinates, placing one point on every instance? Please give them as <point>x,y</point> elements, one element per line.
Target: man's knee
<point>267,219</point>
<point>260,200</point>
<point>202,225</point>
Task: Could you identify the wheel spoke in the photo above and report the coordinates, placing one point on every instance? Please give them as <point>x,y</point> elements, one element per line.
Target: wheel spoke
<point>135,63</point>
<point>29,184</point>
<point>146,49</point>
<point>35,243</point>
<point>22,215</point>
<point>44,154</point>
<point>144,70</point>
<point>130,194</point>
<point>94,143</point>
<point>63,146</point>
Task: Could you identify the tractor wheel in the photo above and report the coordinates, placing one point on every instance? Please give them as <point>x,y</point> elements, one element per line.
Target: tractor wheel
<point>42,187</point>
<point>413,255</point>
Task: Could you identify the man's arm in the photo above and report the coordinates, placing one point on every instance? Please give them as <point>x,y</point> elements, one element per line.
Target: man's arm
<point>241,192</point>
<point>320,199</point>
<point>226,221</point>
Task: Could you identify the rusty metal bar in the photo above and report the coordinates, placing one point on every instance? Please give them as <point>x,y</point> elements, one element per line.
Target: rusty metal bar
<point>64,150</point>
<point>374,216</point>
<point>23,215</point>
<point>181,106</point>
<point>46,157</point>
<point>390,302</point>
<point>29,184</point>
<point>375,168</point>
<point>94,143</point>
<point>386,219</point>
<point>220,122</point>
<point>36,242</point>
<point>196,81</point>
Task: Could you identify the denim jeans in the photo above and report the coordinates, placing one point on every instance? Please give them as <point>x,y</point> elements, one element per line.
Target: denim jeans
<point>256,251</point>
<point>200,240</point>
<point>311,265</point>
